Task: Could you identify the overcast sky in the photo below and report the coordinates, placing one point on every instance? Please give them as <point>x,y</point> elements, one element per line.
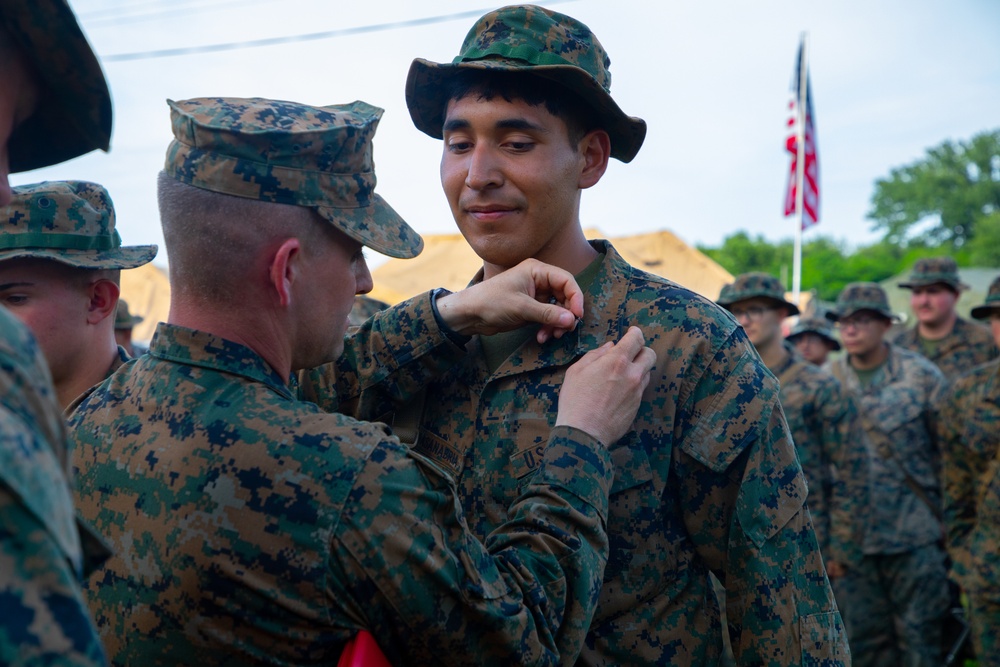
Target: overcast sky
<point>890,78</point>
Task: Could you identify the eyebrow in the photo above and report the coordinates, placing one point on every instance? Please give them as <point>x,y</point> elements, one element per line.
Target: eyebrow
<point>22,283</point>
<point>505,124</point>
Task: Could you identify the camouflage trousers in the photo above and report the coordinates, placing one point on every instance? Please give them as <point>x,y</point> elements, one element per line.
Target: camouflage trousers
<point>894,607</point>
<point>984,618</point>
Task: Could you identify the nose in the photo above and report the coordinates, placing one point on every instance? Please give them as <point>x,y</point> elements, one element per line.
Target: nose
<point>363,283</point>
<point>483,169</point>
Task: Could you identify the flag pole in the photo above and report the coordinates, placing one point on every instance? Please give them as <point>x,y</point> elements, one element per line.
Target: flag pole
<point>800,165</point>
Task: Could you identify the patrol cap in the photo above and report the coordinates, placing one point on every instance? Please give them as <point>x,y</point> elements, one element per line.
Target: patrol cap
<point>73,116</point>
<point>125,319</point>
<point>72,222</point>
<point>290,153</point>
<point>861,296</point>
<point>815,325</point>
<point>992,304</point>
<point>532,40</point>
<point>755,285</point>
<point>932,270</point>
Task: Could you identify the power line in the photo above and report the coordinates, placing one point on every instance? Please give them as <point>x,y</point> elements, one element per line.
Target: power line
<point>308,37</point>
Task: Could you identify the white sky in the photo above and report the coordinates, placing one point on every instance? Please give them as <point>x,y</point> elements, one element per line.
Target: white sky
<point>890,79</point>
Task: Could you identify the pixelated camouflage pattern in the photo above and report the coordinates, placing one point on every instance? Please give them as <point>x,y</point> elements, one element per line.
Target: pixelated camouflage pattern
<point>290,153</point>
<point>992,303</point>
<point>74,112</point>
<point>252,528</point>
<point>706,478</point>
<point>861,296</point>
<point>755,285</point>
<point>124,319</point>
<point>817,325</point>
<point>532,40</point>
<point>901,401</point>
<point>894,606</point>
<point>43,618</point>
<point>931,270</point>
<point>824,426</point>
<point>968,345</point>
<point>970,447</point>
<point>72,222</point>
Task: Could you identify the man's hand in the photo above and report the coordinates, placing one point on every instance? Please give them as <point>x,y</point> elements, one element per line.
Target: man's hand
<point>602,391</point>
<point>531,292</point>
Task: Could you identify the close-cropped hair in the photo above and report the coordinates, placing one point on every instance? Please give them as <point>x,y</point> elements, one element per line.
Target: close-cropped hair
<point>531,89</point>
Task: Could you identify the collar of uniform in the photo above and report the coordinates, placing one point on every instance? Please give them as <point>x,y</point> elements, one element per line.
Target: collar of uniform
<point>205,350</point>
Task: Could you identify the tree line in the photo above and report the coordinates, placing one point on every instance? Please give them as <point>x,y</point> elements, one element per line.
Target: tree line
<point>948,202</point>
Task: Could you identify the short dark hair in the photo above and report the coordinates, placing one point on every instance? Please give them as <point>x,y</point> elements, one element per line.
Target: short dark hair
<point>532,89</point>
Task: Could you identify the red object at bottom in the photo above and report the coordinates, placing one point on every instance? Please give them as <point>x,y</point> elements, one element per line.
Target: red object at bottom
<point>362,651</point>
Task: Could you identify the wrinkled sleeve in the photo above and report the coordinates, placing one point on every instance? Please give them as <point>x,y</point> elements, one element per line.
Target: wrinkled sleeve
<point>386,361</point>
<point>844,447</point>
<point>416,577</point>
<point>746,492</point>
<point>961,465</point>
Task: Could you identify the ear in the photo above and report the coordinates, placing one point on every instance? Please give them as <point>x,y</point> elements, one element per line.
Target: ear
<point>103,294</point>
<point>595,147</point>
<point>284,270</point>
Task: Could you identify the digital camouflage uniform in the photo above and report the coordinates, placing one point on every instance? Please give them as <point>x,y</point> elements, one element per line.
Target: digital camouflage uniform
<point>894,601</point>
<point>253,528</point>
<point>43,618</point>
<point>42,552</point>
<point>970,447</point>
<point>968,345</point>
<point>707,478</point>
<point>823,423</point>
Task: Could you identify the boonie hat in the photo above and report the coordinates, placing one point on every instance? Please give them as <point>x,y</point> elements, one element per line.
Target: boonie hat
<point>72,222</point>
<point>992,304</point>
<point>290,153</point>
<point>73,116</point>
<point>861,296</point>
<point>931,270</point>
<point>814,325</point>
<point>533,40</point>
<point>125,319</point>
<point>755,285</point>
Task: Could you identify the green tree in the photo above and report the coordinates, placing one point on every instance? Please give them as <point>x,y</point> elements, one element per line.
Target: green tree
<point>942,199</point>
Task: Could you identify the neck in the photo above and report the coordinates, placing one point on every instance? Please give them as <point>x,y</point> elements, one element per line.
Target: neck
<point>773,353</point>
<point>870,360</point>
<point>88,372</point>
<point>570,252</point>
<point>251,328</point>
<point>937,330</point>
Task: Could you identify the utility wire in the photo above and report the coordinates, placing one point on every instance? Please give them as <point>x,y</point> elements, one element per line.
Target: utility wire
<point>308,37</point>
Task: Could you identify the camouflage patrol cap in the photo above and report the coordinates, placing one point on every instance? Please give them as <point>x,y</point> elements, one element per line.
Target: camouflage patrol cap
<point>125,319</point>
<point>72,222</point>
<point>290,153</point>
<point>992,304</point>
<point>755,285</point>
<point>532,40</point>
<point>932,270</point>
<point>73,116</point>
<point>815,325</point>
<point>861,296</point>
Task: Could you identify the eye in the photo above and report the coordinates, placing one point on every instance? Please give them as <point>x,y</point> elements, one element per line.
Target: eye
<point>14,299</point>
<point>459,146</point>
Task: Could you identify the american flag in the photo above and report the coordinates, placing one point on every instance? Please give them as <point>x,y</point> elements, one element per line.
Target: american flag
<point>810,193</point>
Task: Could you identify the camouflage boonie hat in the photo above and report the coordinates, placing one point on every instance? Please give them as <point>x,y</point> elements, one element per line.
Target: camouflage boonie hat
<point>992,304</point>
<point>861,296</point>
<point>931,270</point>
<point>536,41</point>
<point>753,286</point>
<point>814,325</point>
<point>73,116</point>
<point>72,222</point>
<point>125,319</point>
<point>290,153</point>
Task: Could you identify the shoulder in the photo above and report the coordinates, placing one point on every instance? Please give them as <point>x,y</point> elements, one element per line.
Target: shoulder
<point>973,332</point>
<point>975,381</point>
<point>917,365</point>
<point>906,338</point>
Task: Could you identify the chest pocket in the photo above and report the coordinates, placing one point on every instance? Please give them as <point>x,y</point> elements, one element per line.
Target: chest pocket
<point>895,409</point>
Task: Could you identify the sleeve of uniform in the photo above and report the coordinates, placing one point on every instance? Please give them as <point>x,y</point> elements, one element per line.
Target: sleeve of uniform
<point>431,593</point>
<point>961,465</point>
<point>745,494</point>
<point>844,447</point>
<point>386,361</point>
